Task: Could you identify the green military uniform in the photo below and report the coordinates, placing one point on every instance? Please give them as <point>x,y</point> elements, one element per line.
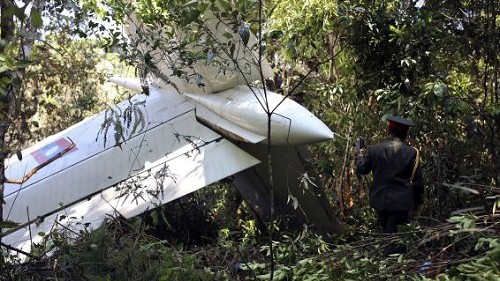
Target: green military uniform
<point>392,163</point>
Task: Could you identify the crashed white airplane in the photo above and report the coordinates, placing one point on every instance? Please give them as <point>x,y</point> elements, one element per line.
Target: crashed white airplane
<point>171,142</point>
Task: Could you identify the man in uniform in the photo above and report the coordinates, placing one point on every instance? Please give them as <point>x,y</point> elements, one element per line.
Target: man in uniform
<point>397,175</point>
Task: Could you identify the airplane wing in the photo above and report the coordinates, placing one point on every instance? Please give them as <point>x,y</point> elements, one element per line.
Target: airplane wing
<point>165,154</point>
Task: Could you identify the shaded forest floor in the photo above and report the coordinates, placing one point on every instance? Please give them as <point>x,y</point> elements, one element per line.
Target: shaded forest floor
<point>195,244</point>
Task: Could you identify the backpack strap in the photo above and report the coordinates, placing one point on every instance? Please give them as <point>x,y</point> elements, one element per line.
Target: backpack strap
<point>415,165</point>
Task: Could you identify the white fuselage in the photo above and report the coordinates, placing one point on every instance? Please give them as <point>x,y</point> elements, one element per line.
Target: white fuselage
<point>248,108</point>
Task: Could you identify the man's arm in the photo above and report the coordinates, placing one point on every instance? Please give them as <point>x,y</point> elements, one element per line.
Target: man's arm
<point>363,162</point>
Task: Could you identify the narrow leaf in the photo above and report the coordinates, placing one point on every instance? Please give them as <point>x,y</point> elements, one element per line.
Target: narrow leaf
<point>245,33</point>
<point>36,19</point>
<point>8,224</point>
<point>19,155</point>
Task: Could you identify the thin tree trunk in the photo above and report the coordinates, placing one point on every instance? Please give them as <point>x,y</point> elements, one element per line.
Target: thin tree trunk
<point>3,129</point>
<point>6,34</point>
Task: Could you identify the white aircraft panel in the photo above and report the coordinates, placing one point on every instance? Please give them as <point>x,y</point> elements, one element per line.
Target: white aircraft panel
<point>108,167</point>
<point>188,172</point>
<point>290,122</point>
<point>225,127</point>
<point>159,108</point>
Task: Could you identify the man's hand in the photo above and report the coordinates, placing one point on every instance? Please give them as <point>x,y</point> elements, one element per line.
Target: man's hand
<point>360,153</point>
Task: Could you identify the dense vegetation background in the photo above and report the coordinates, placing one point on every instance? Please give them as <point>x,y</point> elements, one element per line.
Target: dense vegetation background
<point>350,62</point>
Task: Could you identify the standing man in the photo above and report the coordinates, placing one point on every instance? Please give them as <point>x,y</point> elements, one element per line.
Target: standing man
<point>397,175</point>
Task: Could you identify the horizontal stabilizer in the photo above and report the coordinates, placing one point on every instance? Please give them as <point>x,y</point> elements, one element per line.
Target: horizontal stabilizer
<point>225,127</point>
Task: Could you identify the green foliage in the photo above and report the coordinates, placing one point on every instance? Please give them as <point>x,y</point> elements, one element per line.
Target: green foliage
<point>482,260</point>
<point>466,248</point>
<point>487,267</point>
<point>114,252</point>
<point>63,86</point>
<point>350,62</point>
<point>4,224</point>
<point>123,124</point>
<point>306,29</point>
<point>9,65</point>
<point>396,58</point>
<point>296,259</point>
<point>175,43</point>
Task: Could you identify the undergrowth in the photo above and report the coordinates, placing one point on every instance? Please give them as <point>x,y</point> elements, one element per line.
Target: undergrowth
<point>465,247</point>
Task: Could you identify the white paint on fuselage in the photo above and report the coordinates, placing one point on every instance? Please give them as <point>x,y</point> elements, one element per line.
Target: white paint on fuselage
<point>291,123</point>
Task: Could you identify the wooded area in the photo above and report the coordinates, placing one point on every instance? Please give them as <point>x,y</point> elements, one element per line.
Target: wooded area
<point>350,62</point>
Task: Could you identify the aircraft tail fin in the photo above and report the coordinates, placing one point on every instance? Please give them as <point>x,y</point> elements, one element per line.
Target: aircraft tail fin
<point>298,196</point>
<point>221,70</point>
